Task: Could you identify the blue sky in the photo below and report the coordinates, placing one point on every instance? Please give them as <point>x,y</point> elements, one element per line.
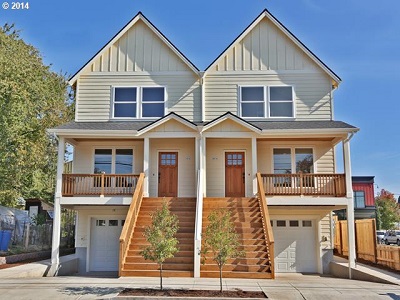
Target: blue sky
<point>358,40</point>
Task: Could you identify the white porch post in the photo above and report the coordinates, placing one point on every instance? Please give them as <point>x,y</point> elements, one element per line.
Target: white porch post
<point>146,158</point>
<point>350,205</point>
<point>254,163</point>
<point>55,247</point>
<point>203,163</point>
<point>200,163</point>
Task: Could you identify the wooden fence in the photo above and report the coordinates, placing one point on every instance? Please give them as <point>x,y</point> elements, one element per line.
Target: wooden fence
<point>367,248</point>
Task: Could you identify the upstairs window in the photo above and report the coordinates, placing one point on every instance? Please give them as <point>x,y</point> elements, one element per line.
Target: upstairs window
<point>359,199</point>
<point>138,102</point>
<point>266,102</point>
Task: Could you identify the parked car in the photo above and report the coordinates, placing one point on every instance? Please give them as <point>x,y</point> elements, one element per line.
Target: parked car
<point>380,234</point>
<point>392,237</point>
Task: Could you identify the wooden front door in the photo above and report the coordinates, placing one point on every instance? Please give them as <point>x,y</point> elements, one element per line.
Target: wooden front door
<point>234,174</point>
<point>168,174</point>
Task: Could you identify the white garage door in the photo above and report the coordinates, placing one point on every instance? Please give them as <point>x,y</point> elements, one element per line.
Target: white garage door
<point>104,243</point>
<point>295,245</point>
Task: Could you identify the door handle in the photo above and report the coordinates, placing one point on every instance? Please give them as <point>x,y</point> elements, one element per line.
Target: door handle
<point>243,178</point>
<point>159,177</point>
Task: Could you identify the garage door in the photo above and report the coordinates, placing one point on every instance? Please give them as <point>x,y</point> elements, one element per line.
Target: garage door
<point>295,245</point>
<point>104,243</point>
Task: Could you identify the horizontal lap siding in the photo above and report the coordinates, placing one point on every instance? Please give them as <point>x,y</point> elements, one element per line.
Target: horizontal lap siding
<point>312,92</point>
<point>94,94</point>
<point>326,231</point>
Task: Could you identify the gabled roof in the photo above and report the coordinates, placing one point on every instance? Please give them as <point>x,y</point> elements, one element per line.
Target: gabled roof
<point>132,22</point>
<point>234,118</point>
<point>166,118</point>
<point>266,14</point>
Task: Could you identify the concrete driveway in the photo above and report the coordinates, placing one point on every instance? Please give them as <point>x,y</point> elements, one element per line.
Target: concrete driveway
<point>294,286</point>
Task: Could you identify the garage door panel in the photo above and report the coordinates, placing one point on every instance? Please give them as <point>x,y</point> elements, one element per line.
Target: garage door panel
<point>295,248</point>
<point>104,243</point>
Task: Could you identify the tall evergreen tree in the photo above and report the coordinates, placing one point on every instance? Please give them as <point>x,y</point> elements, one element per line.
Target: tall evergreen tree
<point>32,99</point>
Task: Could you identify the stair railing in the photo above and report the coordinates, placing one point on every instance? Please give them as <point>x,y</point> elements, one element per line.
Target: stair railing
<point>269,236</point>
<point>130,222</point>
<point>198,224</point>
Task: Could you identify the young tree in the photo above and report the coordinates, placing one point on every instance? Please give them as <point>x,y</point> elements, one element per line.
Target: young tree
<point>221,239</point>
<point>32,99</point>
<point>161,236</point>
<point>387,210</point>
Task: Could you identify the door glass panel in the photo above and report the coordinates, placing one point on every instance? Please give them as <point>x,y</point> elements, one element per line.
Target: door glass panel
<point>307,223</point>
<point>123,161</point>
<point>280,223</point>
<point>294,223</point>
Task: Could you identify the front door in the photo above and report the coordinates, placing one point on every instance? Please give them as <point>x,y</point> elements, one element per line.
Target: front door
<point>168,174</point>
<point>234,174</point>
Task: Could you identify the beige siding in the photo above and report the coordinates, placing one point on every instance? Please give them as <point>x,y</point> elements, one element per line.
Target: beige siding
<point>228,126</point>
<point>95,92</point>
<point>264,48</point>
<point>323,154</point>
<point>84,154</point>
<point>172,126</point>
<point>215,152</point>
<point>82,235</point>
<point>186,165</point>
<point>139,49</point>
<point>312,92</point>
<point>326,232</point>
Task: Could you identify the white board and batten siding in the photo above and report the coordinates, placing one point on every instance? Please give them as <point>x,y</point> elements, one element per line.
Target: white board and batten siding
<point>266,56</point>
<point>138,58</point>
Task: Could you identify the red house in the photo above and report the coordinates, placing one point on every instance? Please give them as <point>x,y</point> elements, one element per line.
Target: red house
<point>364,197</point>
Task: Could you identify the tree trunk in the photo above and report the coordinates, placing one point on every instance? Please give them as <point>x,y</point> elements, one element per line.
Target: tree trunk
<point>161,276</point>
<point>220,278</point>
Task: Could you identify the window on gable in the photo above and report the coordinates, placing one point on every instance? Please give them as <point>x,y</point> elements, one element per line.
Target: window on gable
<point>138,102</point>
<point>262,102</point>
<point>359,199</point>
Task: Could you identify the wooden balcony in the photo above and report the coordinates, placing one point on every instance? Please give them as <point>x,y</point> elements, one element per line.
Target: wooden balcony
<point>98,184</point>
<point>304,184</point>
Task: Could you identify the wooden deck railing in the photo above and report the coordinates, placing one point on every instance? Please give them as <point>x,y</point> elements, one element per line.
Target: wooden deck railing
<point>98,184</point>
<point>130,222</point>
<point>330,185</point>
<point>269,236</point>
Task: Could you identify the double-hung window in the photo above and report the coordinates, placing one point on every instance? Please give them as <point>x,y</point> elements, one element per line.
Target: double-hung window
<point>113,161</point>
<point>138,102</point>
<point>266,102</point>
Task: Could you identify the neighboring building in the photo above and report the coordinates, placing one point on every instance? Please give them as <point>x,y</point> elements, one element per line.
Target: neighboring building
<point>36,206</point>
<point>364,198</point>
<point>200,138</point>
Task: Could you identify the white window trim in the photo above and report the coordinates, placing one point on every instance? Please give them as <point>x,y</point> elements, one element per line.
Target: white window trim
<point>293,157</point>
<point>113,156</point>
<point>267,110</point>
<point>139,102</point>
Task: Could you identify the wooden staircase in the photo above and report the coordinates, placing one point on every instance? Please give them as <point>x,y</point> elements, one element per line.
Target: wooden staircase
<point>247,217</point>
<point>179,266</point>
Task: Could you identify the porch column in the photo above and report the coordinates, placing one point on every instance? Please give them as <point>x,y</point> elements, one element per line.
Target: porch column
<point>254,163</point>
<point>203,163</point>
<point>146,158</point>
<point>350,205</point>
<point>55,246</point>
